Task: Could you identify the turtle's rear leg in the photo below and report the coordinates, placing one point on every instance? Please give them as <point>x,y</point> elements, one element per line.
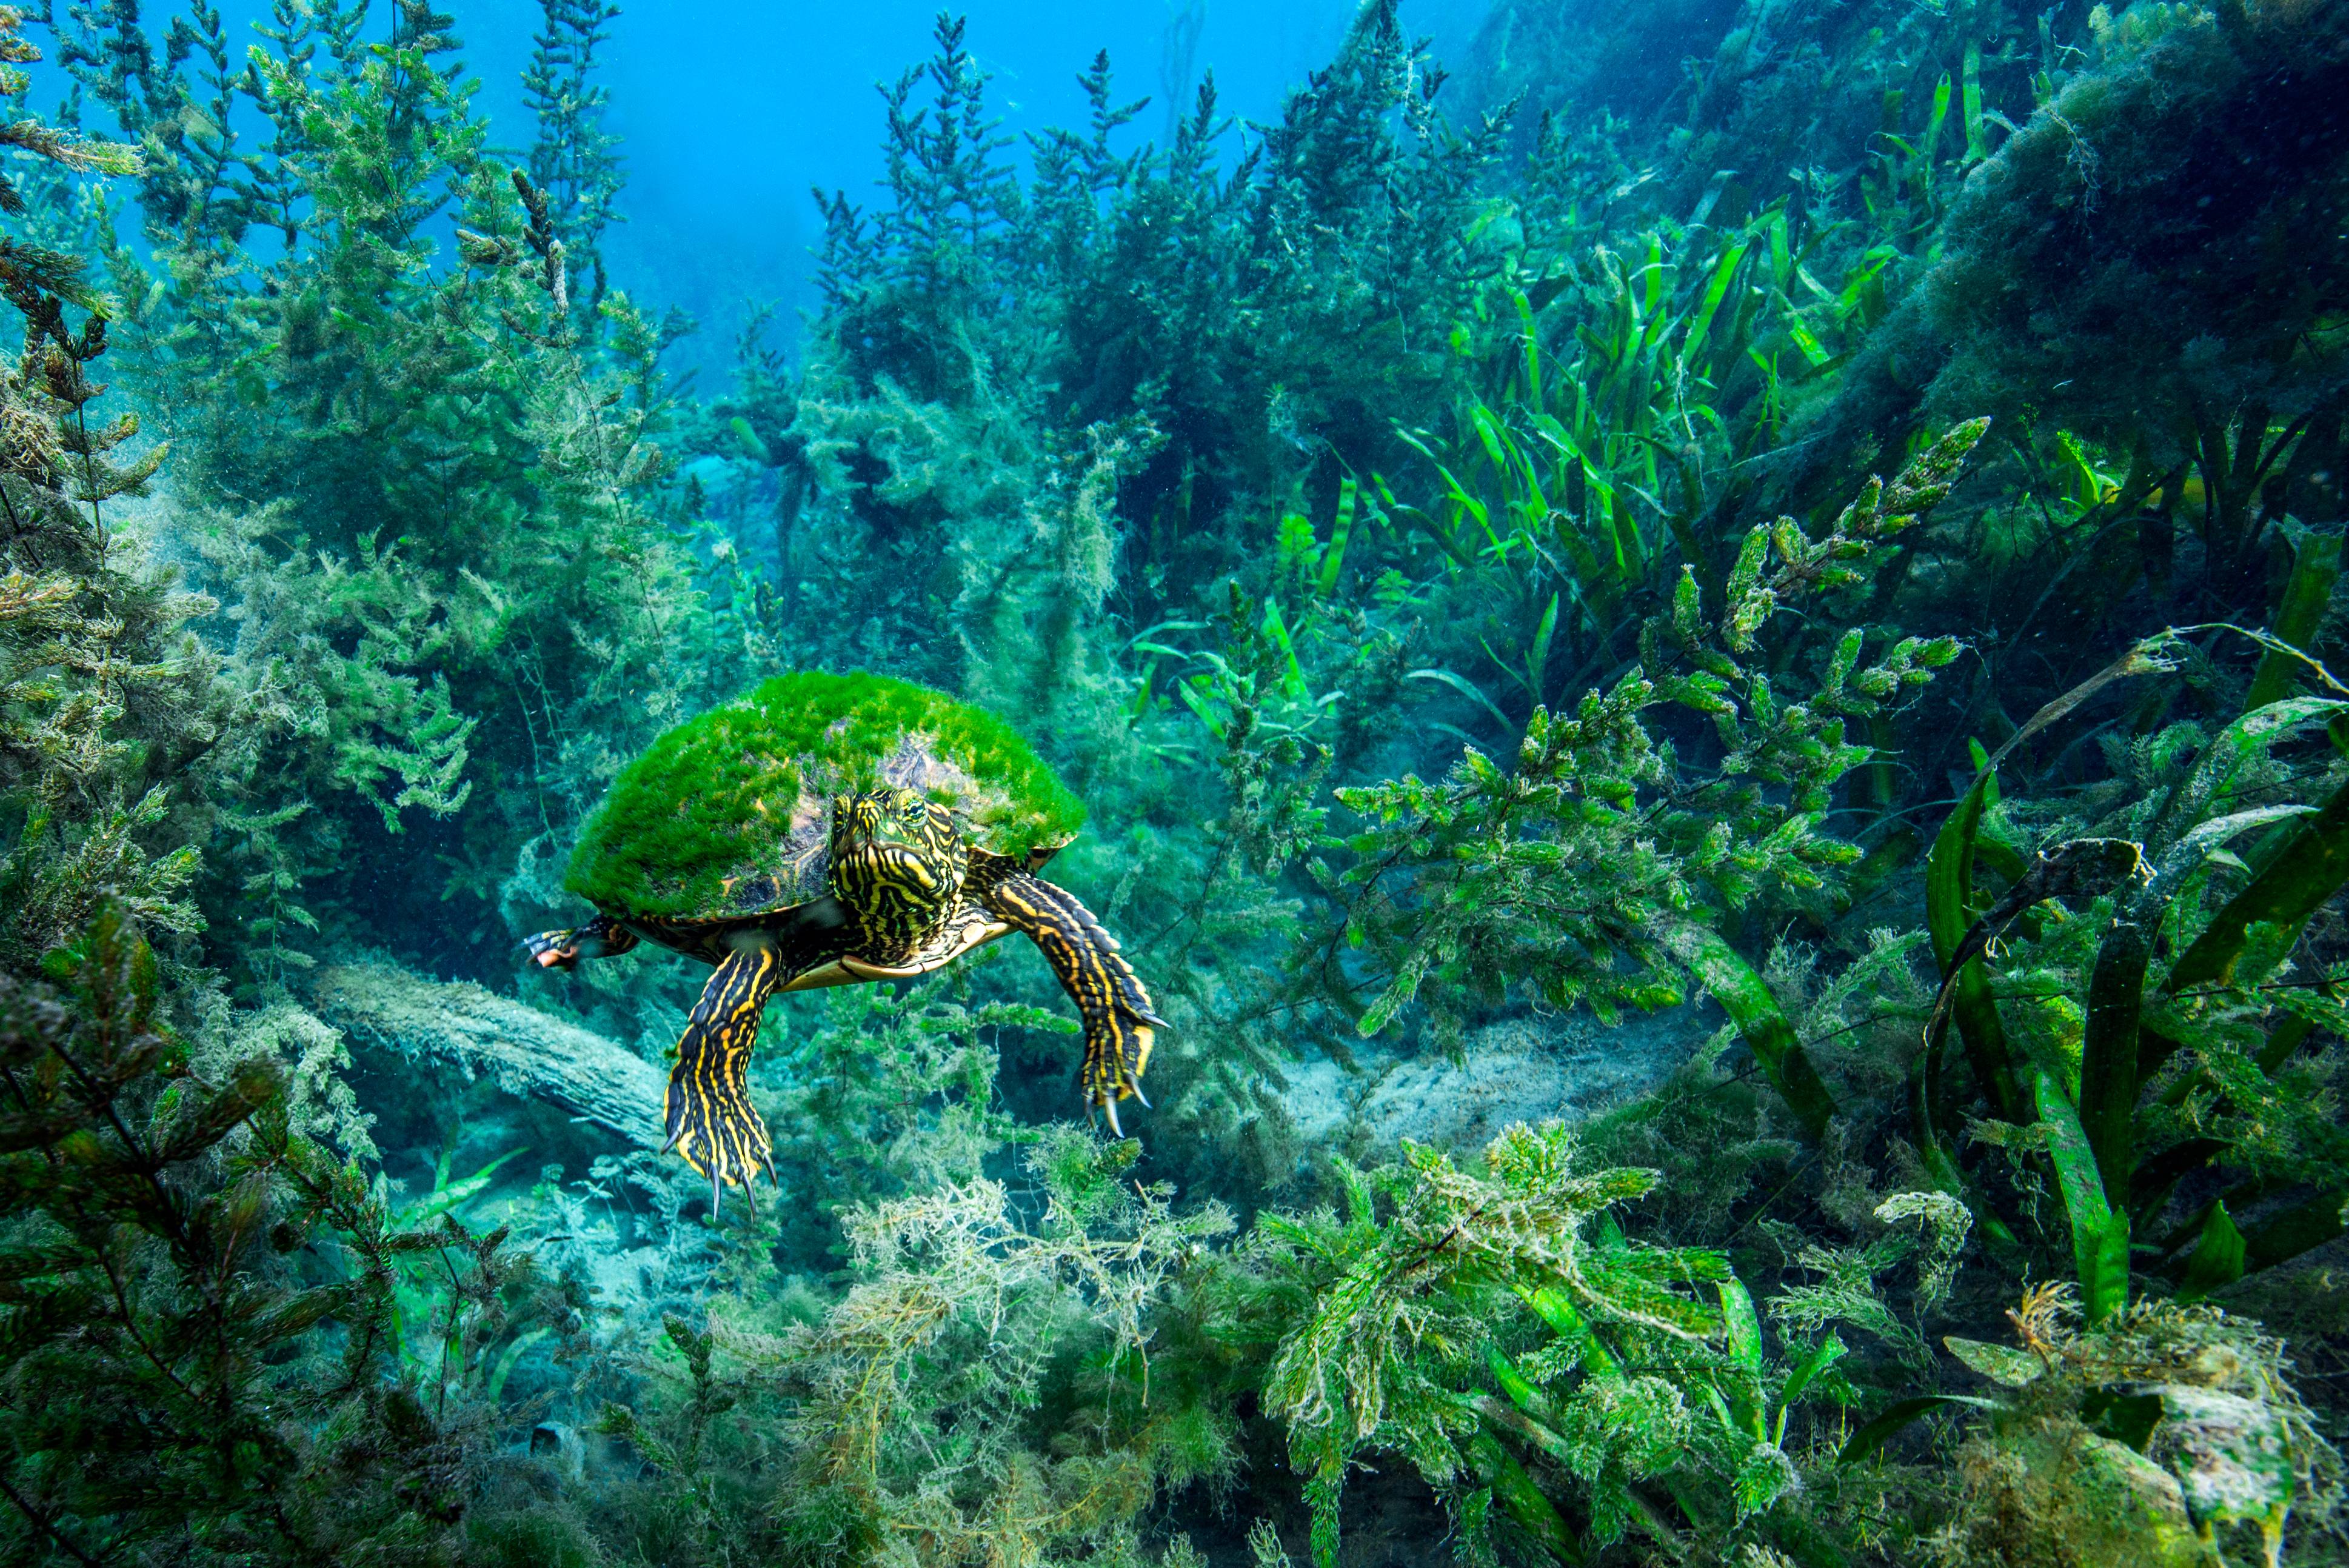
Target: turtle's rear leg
<point>602,937</point>
<point>710,1120</point>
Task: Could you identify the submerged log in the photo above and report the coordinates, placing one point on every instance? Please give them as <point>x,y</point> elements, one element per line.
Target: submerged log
<point>481,1034</point>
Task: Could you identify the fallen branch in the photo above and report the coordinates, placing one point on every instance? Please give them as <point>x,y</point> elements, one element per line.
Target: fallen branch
<point>521,1050</point>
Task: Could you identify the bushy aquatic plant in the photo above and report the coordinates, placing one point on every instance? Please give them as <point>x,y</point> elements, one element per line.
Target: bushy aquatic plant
<point>175,1252</point>
<point>1594,873</point>
<point>916,1395</point>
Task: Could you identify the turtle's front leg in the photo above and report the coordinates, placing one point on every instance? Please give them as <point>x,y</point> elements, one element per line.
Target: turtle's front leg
<point>602,937</point>
<point>710,1119</point>
<point>1119,1022</point>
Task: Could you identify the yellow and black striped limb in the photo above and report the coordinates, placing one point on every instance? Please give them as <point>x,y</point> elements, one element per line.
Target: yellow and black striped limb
<point>710,1119</point>
<point>1108,994</point>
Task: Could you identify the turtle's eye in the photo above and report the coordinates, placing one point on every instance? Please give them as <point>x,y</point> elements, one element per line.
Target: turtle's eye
<point>915,810</point>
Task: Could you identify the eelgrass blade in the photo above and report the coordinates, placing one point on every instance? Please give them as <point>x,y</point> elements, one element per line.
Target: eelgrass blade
<point>1761,1023</point>
<point>1897,1417</point>
<point>2309,869</point>
<point>2108,1056</point>
<point>1949,892</point>
<point>2099,1232</point>
<point>2220,1255</point>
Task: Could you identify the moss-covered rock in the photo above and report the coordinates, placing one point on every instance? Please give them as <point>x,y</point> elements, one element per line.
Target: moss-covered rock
<point>727,813</point>
<point>2057,1494</point>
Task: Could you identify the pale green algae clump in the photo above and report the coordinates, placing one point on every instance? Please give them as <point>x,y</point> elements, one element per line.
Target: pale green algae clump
<point>715,798</point>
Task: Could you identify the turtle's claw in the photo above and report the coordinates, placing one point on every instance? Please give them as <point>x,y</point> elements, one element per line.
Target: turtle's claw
<point>1109,1109</point>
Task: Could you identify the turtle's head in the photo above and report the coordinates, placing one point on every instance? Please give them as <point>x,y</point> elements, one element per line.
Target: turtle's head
<point>897,860</point>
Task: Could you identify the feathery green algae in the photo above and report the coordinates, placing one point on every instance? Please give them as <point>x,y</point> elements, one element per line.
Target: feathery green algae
<point>717,794</point>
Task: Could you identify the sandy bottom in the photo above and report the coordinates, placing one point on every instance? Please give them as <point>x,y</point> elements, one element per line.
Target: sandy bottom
<point>1519,1069</point>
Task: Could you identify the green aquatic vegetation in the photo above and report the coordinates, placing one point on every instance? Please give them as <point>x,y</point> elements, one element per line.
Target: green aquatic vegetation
<point>916,1396</point>
<point>891,1091</point>
<point>1496,1330</point>
<point>422,492</point>
<point>1248,474</point>
<point>574,159</point>
<point>1381,1307</point>
<point>2141,1078</point>
<point>175,1253</point>
<point>2158,1437</point>
<point>1217,307</point>
<point>105,698</point>
<point>2085,204</point>
<point>1590,871</point>
<point>1621,400</point>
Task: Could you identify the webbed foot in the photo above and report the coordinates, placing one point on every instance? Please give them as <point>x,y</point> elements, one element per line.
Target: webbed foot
<point>602,937</point>
<point>1120,1022</point>
<point>553,949</point>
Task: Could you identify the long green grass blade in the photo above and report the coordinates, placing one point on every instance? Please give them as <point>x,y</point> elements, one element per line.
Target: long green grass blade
<point>1466,688</point>
<point>1743,1324</point>
<point>1533,348</point>
<point>1724,272</point>
<point>1823,1355</point>
<point>1949,894</point>
<point>447,1197</point>
<point>2315,567</point>
<point>1760,1024</point>
<point>1896,1419</point>
<point>1568,1324</point>
<point>1977,145</point>
<point>508,1360</point>
<point>1275,632</point>
<point>2108,1051</point>
<point>2309,869</point>
<point>1521,1393</point>
<point>1931,147</point>
<point>2099,1232</point>
<point>2219,1257</point>
<point>1521,1498</point>
<point>1488,431</point>
<point>1198,707</point>
<point>1340,531</point>
<point>1537,657</point>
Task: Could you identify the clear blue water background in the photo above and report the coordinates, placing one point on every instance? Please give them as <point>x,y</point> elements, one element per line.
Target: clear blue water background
<point>731,113</point>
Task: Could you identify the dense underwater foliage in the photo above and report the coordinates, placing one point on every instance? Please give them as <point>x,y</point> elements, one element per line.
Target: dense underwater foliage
<point>1702,669</point>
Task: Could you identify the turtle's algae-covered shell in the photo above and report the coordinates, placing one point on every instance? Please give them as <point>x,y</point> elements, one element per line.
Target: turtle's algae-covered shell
<point>729,814</point>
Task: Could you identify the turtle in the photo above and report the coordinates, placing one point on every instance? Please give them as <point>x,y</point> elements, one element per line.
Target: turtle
<point>831,830</point>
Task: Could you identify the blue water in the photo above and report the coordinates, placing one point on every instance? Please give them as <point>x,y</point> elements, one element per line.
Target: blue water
<point>731,114</point>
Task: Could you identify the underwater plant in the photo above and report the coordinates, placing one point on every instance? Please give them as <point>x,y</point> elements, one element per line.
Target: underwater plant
<point>1663,940</point>
<point>176,1254</point>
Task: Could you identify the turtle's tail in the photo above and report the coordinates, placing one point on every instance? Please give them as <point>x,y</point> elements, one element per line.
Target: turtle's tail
<point>710,1120</point>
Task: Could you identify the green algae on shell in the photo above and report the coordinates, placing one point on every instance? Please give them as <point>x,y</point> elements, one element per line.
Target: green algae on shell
<point>727,813</point>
